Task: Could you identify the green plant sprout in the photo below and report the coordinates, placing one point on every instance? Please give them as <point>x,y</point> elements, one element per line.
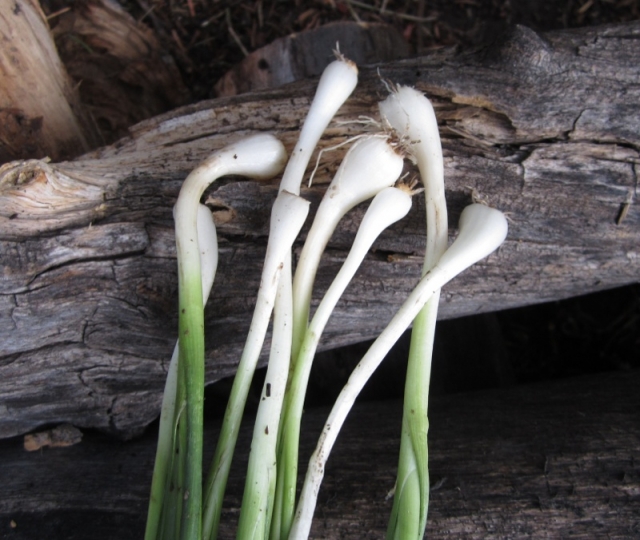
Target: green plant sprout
<point>208,248</point>
<point>180,508</point>
<point>482,231</point>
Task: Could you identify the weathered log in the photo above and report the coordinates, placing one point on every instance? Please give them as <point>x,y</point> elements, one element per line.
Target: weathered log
<point>550,460</point>
<point>546,128</point>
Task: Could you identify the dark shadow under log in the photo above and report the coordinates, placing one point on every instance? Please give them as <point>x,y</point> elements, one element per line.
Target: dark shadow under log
<point>545,128</point>
<point>550,460</point>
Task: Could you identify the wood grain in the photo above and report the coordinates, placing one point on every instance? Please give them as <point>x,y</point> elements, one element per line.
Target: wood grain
<point>544,127</point>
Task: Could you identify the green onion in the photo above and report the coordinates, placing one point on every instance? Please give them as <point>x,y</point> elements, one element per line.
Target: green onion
<point>208,247</point>
<point>410,114</point>
<point>287,217</point>
<point>482,230</point>
<point>261,156</point>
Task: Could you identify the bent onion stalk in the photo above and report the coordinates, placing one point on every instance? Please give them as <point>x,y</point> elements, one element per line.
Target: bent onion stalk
<point>410,114</point>
<point>260,156</point>
<point>208,249</point>
<point>482,231</point>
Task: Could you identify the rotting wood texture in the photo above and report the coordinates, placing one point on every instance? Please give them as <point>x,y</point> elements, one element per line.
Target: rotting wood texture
<point>545,128</point>
<point>550,460</point>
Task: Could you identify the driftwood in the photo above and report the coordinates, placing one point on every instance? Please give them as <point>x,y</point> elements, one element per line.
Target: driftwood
<point>114,74</point>
<point>552,460</point>
<point>546,128</point>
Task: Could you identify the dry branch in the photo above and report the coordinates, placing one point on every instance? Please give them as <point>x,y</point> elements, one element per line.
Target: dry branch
<point>545,128</point>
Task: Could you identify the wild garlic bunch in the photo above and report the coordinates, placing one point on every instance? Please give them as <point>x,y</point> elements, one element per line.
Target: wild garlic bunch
<point>179,506</point>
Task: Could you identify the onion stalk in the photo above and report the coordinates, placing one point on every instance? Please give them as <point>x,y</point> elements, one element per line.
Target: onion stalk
<point>163,468</point>
<point>410,114</point>
<point>260,156</point>
<point>482,231</point>
<point>260,504</point>
<point>287,217</point>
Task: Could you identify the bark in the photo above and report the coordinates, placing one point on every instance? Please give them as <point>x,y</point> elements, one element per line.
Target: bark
<point>550,460</point>
<point>544,128</point>
<point>40,113</point>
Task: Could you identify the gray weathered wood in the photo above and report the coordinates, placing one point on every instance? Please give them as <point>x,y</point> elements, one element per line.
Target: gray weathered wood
<point>550,460</point>
<point>546,128</point>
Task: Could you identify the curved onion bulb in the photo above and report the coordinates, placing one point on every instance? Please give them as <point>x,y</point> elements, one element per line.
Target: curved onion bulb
<point>336,83</point>
<point>482,231</point>
<point>369,166</point>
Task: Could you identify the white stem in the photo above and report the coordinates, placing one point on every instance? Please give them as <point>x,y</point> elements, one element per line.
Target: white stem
<point>287,217</point>
<point>369,166</point>
<point>208,247</point>
<point>260,484</point>
<point>337,82</point>
<point>387,207</point>
<point>482,230</point>
<point>411,115</point>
